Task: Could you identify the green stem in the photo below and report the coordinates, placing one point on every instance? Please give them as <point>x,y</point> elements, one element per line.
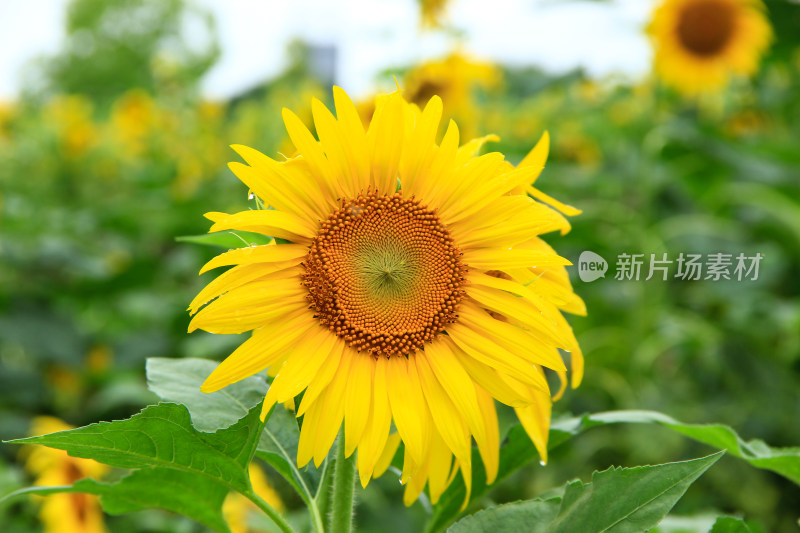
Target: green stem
<point>270,512</point>
<point>344,478</point>
<point>321,501</point>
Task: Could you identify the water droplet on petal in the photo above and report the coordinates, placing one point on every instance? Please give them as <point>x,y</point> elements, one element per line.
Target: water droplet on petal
<point>251,196</point>
<point>543,463</point>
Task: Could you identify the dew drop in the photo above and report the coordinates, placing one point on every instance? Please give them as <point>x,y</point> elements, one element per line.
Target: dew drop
<point>542,463</point>
<point>251,196</point>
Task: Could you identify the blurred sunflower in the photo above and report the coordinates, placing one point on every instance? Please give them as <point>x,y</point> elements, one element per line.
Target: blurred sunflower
<point>455,79</point>
<point>699,44</point>
<point>432,12</point>
<point>65,512</point>
<point>237,507</point>
<point>410,287</point>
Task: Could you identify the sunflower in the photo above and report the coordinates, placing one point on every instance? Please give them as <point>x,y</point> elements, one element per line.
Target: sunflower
<point>66,512</point>
<point>455,78</point>
<point>410,287</point>
<point>699,44</point>
<point>432,12</point>
<point>237,507</point>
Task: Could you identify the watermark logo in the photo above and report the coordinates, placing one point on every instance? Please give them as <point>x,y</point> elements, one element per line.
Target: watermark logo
<point>591,266</point>
<point>685,267</point>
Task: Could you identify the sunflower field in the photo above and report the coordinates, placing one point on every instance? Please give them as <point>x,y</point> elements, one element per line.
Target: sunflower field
<point>481,297</point>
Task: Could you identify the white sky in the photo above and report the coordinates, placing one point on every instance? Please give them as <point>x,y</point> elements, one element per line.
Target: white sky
<point>371,35</point>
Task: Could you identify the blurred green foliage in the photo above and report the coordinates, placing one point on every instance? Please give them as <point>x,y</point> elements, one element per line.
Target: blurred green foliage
<point>113,46</point>
<point>112,154</point>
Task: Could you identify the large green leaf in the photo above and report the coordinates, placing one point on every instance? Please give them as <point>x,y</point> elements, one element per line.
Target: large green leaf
<point>180,492</point>
<point>179,380</point>
<point>226,239</point>
<point>517,450</point>
<point>618,500</point>
<point>783,461</point>
<point>178,468</point>
<point>162,436</point>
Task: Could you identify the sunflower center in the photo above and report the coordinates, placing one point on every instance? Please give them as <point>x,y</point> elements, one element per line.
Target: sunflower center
<point>383,274</point>
<point>426,90</point>
<point>706,26</point>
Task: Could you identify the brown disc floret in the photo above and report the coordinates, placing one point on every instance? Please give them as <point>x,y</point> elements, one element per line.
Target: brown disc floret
<point>384,274</point>
<point>706,26</point>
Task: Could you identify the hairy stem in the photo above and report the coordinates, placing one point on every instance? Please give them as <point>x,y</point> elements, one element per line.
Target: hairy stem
<point>344,478</point>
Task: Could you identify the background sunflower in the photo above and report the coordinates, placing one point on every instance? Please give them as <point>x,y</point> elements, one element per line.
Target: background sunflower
<point>700,44</point>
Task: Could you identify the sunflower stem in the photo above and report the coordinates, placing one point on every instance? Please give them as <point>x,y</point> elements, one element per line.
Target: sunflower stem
<point>271,512</point>
<point>344,478</point>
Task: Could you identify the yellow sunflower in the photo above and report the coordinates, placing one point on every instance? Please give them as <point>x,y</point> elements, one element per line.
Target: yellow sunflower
<point>699,44</point>
<point>432,12</point>
<point>455,79</point>
<point>66,512</point>
<point>237,507</point>
<point>410,288</point>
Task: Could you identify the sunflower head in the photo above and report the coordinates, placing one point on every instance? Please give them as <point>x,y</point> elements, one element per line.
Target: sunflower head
<point>699,44</point>
<point>410,290</point>
<point>432,12</point>
<point>455,78</point>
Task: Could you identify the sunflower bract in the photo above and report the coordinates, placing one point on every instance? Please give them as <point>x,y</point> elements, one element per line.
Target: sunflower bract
<point>414,291</point>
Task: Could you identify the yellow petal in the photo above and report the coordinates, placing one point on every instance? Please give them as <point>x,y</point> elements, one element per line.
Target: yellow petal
<point>232,279</point>
<point>420,144</point>
<point>555,204</point>
<point>249,306</point>
<point>537,157</point>
<point>304,361</point>
<point>357,399</point>
<point>490,353</point>
<point>441,460</point>
<point>504,259</point>
<point>292,178</point>
<point>458,386</point>
<point>312,153</point>
<point>385,460</point>
<point>267,222</point>
<point>385,141</point>
<point>353,131</point>
<point>259,351</point>
<point>513,338</point>
<point>377,430</point>
<point>322,377</point>
<point>490,452</point>
<point>338,152</point>
<point>447,418</point>
<point>486,376</point>
<point>536,421</point>
<point>409,409</point>
<point>259,254</point>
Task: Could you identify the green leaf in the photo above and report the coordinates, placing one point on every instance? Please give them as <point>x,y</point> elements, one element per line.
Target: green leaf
<point>180,492</point>
<point>179,380</point>
<point>517,450</point>
<point>730,524</point>
<point>179,468</point>
<point>162,436</point>
<point>618,500</point>
<point>226,239</point>
<point>783,461</point>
